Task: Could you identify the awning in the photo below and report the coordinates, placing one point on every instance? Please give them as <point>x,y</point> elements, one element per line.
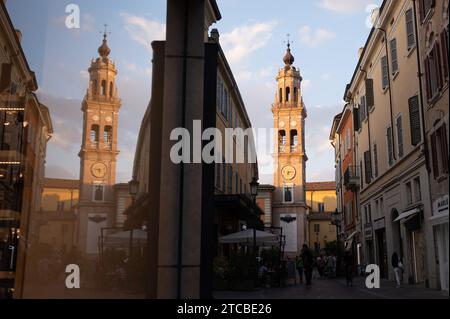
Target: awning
<point>408,213</point>
<point>352,235</point>
<point>349,241</point>
<point>246,237</point>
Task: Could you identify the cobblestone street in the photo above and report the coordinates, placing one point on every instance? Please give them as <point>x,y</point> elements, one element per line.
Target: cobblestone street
<point>337,289</point>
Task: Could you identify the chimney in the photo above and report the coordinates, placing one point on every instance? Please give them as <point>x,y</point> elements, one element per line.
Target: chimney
<point>215,36</point>
<point>19,35</point>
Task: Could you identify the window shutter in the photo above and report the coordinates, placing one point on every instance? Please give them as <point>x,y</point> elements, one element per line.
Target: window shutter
<point>434,156</point>
<point>439,66</point>
<point>375,158</point>
<point>363,109</point>
<point>370,97</point>
<point>356,119</point>
<point>414,119</point>
<point>394,56</point>
<point>444,148</point>
<point>368,167</point>
<point>5,77</point>
<point>444,44</point>
<point>389,145</point>
<point>410,29</point>
<point>427,77</point>
<point>400,136</point>
<point>384,72</point>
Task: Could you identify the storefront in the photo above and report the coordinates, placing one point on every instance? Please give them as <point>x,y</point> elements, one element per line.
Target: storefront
<point>440,227</point>
<point>381,246</point>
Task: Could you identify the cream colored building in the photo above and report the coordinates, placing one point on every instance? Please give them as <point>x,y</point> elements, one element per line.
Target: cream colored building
<point>433,24</point>
<point>321,201</point>
<point>384,95</point>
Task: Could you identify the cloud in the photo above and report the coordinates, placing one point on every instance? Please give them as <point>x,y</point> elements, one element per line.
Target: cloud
<point>314,38</point>
<point>306,84</point>
<point>244,40</point>
<point>345,6</point>
<point>144,31</point>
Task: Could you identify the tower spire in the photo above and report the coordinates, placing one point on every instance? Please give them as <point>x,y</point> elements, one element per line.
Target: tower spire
<point>104,49</point>
<point>288,58</point>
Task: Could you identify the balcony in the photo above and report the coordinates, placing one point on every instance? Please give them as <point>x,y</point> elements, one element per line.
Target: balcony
<point>352,178</point>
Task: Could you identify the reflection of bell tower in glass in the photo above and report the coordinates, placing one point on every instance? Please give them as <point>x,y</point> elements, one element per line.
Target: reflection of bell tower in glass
<point>289,114</point>
<point>98,150</point>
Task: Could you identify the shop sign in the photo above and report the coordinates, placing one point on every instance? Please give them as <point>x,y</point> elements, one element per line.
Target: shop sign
<point>379,224</point>
<point>440,206</point>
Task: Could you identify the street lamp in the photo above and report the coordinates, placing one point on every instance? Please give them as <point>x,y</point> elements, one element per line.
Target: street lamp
<point>254,186</point>
<point>133,187</point>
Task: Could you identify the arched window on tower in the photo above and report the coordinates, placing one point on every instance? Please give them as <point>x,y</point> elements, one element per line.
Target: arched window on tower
<point>107,136</point>
<point>282,141</point>
<point>295,95</point>
<point>288,94</point>
<point>94,87</point>
<point>294,141</point>
<point>280,95</point>
<point>94,135</point>
<point>103,87</point>
<point>111,89</point>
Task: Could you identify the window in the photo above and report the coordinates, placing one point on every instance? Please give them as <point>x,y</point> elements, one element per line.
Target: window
<point>417,190</point>
<point>348,145</point>
<point>408,190</point>
<point>288,194</point>
<point>411,37</point>
<point>363,109</point>
<point>103,92</point>
<point>444,48</point>
<point>94,87</point>
<point>425,8</point>
<point>400,136</point>
<point>370,96</point>
<point>295,94</point>
<point>349,213</point>
<point>282,140</point>
<point>99,192</point>
<point>230,179</point>
<point>375,160</point>
<point>384,73</point>
<point>394,56</point>
<point>439,151</point>
<point>60,206</point>
<point>111,89</point>
<point>321,207</point>
<point>94,134</point>
<point>107,136</point>
<point>414,120</point>
<point>433,71</point>
<point>390,146</point>
<point>368,167</point>
<point>294,140</point>
<point>219,94</point>
<point>317,228</point>
<point>356,119</point>
<point>280,95</point>
<point>288,94</point>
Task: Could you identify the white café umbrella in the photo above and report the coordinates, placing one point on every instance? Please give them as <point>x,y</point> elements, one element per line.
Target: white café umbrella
<point>246,237</point>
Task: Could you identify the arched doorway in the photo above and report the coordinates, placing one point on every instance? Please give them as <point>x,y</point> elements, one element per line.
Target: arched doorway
<point>396,233</point>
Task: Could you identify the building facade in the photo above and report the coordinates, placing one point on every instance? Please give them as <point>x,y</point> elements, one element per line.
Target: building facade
<point>321,201</point>
<point>25,128</point>
<point>389,106</point>
<point>289,115</point>
<point>433,39</point>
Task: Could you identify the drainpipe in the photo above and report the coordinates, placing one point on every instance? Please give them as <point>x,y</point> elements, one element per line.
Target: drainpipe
<point>183,121</point>
<point>422,102</point>
<point>390,93</point>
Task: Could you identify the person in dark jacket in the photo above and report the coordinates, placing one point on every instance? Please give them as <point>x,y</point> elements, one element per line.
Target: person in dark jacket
<point>397,265</point>
<point>349,265</point>
<point>308,264</point>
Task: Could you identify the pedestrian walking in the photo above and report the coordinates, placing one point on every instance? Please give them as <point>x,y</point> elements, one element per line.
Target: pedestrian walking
<point>397,264</point>
<point>300,268</point>
<point>308,263</point>
<point>348,264</point>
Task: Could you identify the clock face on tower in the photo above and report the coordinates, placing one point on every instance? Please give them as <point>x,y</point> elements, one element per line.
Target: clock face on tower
<point>288,172</point>
<point>98,170</point>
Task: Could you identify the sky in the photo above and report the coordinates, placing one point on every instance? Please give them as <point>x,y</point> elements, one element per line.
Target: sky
<point>325,36</point>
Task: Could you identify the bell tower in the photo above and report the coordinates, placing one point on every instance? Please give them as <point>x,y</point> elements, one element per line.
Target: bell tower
<point>289,114</point>
<point>98,150</point>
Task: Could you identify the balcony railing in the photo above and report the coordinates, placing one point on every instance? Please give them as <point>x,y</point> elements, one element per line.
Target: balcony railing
<point>352,177</point>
